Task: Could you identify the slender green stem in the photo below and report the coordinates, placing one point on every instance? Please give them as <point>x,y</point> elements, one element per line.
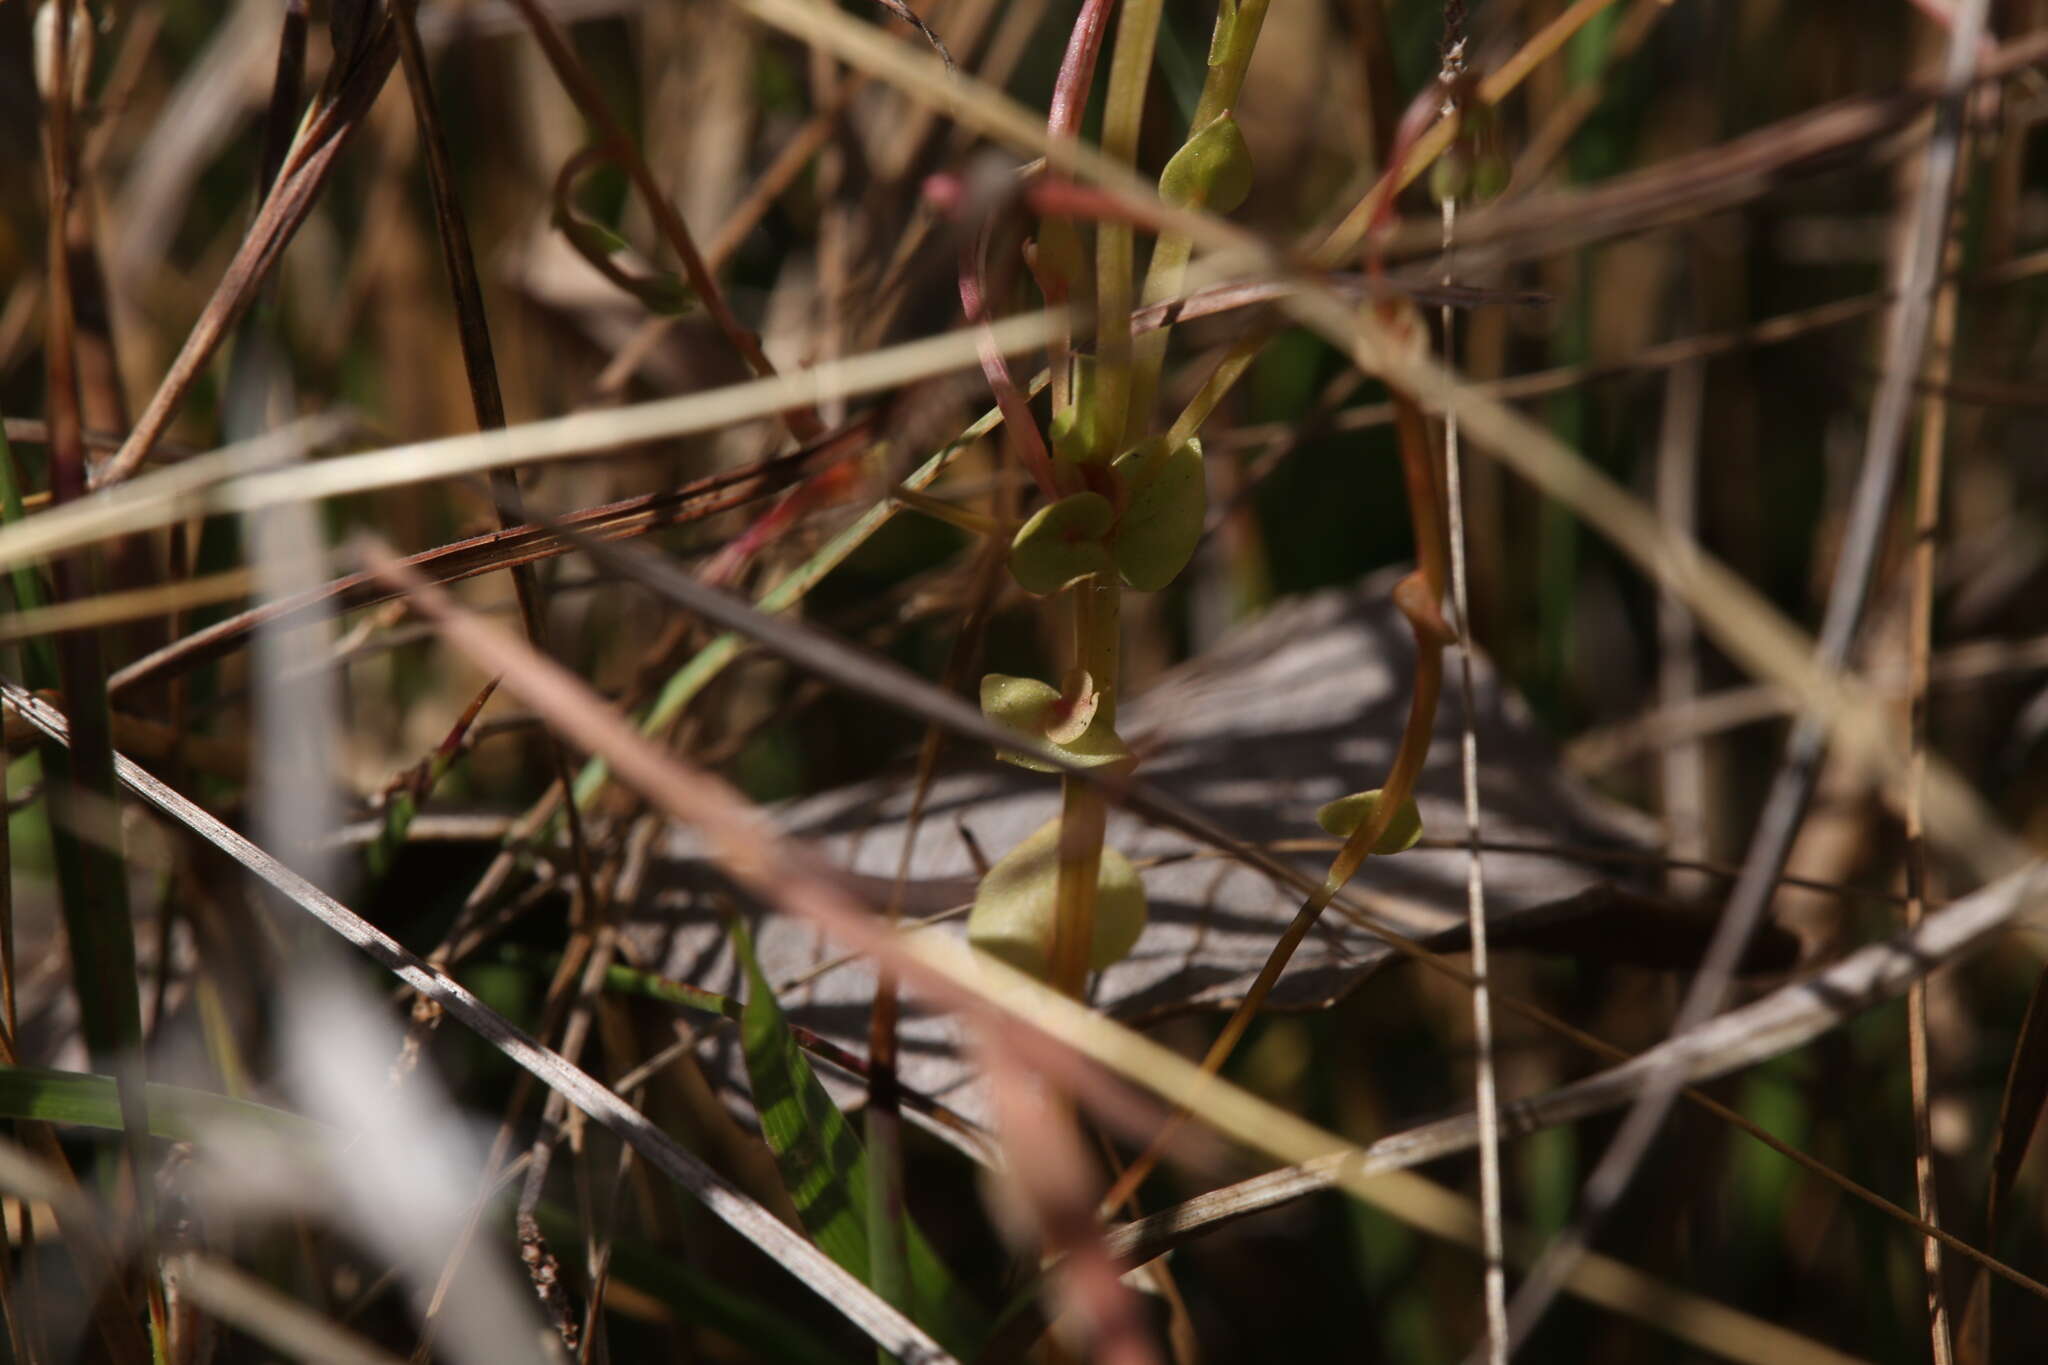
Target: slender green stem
<point>1221,381</point>
<point>1130,74</point>
<point>1418,597</point>
<point>1230,55</point>
<point>1084,815</point>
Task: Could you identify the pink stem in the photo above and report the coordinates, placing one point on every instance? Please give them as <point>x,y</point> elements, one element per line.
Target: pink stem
<point>1025,440</point>
<point>1077,69</point>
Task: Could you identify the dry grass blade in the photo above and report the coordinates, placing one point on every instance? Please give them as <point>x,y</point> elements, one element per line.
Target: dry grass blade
<point>280,1322</point>
<point>1485,1079</point>
<point>1784,807</point>
<point>1786,1019</point>
<point>223,482</point>
<point>1041,1024</point>
<point>1738,617</point>
<point>498,550</point>
<point>285,208</point>
<point>889,1328</point>
<point>1934,428</point>
<point>132,604</point>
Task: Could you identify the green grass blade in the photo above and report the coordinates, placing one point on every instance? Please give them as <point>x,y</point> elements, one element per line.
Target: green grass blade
<point>39,661</point>
<point>762,1331</point>
<point>825,1169</point>
<point>84,1100</point>
<point>815,1147</point>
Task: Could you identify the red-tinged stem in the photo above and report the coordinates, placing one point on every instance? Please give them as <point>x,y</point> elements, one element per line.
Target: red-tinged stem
<point>1020,428</point>
<point>1077,69</point>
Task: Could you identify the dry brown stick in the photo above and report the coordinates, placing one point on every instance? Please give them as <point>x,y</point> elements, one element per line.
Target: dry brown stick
<point>803,423</point>
<point>1927,517</point>
<point>788,164</point>
<point>284,210</point>
<point>782,1244</point>
<point>498,550</point>
<point>1785,1019</point>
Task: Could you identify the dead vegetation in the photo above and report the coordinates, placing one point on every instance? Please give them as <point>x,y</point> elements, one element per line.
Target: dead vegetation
<point>533,489</point>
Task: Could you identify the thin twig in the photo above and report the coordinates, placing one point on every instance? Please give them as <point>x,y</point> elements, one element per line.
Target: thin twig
<point>1920,632</point>
<point>1919,272</point>
<point>1485,1100</point>
<point>802,421</point>
<point>782,1244</point>
<point>284,211</point>
<point>1780,1022</point>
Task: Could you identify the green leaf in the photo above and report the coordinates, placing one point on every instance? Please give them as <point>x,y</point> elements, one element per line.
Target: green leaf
<point>588,238</point>
<point>1064,720</point>
<point>1212,170</point>
<point>1062,542</point>
<point>825,1169</point>
<point>1074,432</point>
<point>39,660</point>
<point>89,1101</point>
<point>1021,704</point>
<point>1016,906</point>
<point>665,292</point>
<point>1162,521</point>
<point>1347,813</point>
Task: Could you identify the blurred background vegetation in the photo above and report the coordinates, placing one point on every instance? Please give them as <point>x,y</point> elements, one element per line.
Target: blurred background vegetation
<point>837,252</point>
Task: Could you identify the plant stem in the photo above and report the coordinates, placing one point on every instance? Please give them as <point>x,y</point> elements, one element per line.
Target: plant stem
<point>1130,73</point>
<point>1417,596</point>
<point>1230,54</point>
<point>1084,814</point>
<point>1097,601</point>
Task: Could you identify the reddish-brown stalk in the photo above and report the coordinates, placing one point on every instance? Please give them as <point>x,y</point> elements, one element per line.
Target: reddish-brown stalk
<point>1417,596</point>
